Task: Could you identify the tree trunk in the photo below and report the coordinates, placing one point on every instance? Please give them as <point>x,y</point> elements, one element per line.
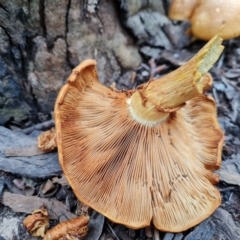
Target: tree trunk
<point>41,41</point>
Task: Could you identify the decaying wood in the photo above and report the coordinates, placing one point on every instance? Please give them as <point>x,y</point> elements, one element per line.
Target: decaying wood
<point>38,222</point>
<point>28,151</point>
<point>15,143</point>
<point>40,126</point>
<point>61,180</point>
<point>73,227</point>
<point>230,171</point>
<point>26,204</point>
<point>219,226</point>
<point>95,226</point>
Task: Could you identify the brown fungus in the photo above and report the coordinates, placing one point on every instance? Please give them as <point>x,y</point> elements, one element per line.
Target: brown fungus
<point>47,140</point>
<point>144,155</point>
<point>72,229</point>
<point>207,17</point>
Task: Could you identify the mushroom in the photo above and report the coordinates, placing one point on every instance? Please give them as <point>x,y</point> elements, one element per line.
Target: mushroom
<point>72,229</point>
<point>144,155</point>
<point>47,140</point>
<point>208,17</point>
<point>182,9</point>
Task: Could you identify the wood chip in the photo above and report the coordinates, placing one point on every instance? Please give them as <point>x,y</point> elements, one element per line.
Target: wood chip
<point>2,184</point>
<point>72,229</point>
<point>40,126</point>
<point>176,58</point>
<point>156,234</point>
<point>26,204</point>
<point>178,236</point>
<point>23,152</point>
<point>230,171</point>
<point>95,226</point>
<point>30,165</point>
<point>219,226</point>
<point>169,236</point>
<point>61,180</point>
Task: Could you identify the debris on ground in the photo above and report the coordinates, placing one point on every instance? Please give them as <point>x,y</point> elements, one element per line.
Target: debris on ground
<point>31,178</point>
<point>37,223</point>
<point>25,204</point>
<point>73,229</point>
<point>29,164</point>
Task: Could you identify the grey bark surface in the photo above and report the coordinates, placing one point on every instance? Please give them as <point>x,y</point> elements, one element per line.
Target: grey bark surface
<point>41,41</point>
<point>36,167</point>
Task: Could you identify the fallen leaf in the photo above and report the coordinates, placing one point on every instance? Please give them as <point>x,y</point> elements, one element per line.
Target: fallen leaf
<point>48,189</point>
<point>82,209</point>
<point>19,183</point>
<point>72,229</point>
<point>37,223</point>
<point>28,190</point>
<point>41,210</point>
<point>61,180</point>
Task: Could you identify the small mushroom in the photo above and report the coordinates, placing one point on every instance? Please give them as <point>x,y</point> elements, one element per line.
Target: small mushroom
<point>144,155</point>
<point>208,17</point>
<point>47,140</point>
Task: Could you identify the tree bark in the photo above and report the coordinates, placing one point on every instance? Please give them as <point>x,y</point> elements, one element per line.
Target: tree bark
<point>41,41</point>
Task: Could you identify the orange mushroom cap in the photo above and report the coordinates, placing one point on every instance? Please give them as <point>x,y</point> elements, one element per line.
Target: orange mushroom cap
<point>181,9</point>
<point>207,17</point>
<point>145,155</point>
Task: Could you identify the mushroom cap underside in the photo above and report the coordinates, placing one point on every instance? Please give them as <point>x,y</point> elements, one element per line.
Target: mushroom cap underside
<point>132,173</point>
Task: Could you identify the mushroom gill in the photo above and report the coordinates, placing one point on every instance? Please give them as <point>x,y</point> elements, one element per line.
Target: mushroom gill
<point>144,155</point>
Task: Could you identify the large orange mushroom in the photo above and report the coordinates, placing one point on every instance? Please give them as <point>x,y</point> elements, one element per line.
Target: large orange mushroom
<point>207,17</point>
<point>145,155</point>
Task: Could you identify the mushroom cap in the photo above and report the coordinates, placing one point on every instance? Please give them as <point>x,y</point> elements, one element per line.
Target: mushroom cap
<point>208,17</point>
<point>211,16</point>
<point>181,9</point>
<point>132,173</point>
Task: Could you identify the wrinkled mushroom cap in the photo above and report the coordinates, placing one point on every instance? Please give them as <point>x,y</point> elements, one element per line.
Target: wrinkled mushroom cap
<point>211,16</point>
<point>133,173</point>
<point>208,17</point>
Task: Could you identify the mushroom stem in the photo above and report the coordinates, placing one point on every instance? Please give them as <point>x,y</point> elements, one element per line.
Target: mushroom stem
<point>145,114</point>
<point>152,102</point>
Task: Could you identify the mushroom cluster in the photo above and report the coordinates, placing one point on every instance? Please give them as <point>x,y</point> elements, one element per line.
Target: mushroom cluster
<point>146,155</point>
<point>208,17</point>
